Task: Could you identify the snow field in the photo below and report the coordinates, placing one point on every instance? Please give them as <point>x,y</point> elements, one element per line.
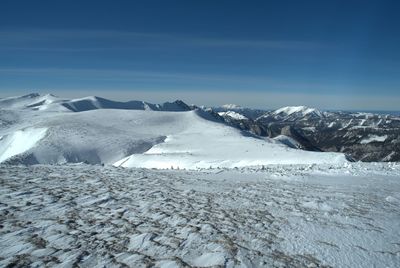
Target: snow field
<point>150,139</point>
<point>279,216</point>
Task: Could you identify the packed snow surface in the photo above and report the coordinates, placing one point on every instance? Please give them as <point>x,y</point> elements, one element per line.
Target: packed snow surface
<point>279,216</point>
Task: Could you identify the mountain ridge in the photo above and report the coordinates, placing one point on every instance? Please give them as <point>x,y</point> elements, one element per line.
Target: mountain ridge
<point>99,131</point>
<point>38,101</point>
<point>362,136</point>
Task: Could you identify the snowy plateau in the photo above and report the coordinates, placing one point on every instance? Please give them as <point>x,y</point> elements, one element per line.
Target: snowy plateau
<point>96,183</point>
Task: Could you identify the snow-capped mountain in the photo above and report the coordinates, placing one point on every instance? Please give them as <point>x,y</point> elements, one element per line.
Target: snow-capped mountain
<point>34,126</point>
<point>254,202</point>
<point>292,113</point>
<point>364,136</point>
<point>50,102</point>
<point>233,115</point>
<point>28,101</point>
<point>238,110</point>
<point>133,134</point>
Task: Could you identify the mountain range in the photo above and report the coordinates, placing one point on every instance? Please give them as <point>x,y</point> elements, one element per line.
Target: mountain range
<point>369,137</point>
<point>45,129</point>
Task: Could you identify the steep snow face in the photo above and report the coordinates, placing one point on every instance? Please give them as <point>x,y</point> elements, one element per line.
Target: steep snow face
<point>292,143</point>
<point>20,141</point>
<point>233,115</point>
<point>303,110</point>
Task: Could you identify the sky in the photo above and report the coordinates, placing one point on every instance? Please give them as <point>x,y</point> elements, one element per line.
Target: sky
<point>260,54</point>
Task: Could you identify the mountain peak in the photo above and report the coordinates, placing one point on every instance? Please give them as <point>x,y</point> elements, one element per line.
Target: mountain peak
<point>175,106</point>
<point>304,110</point>
<point>31,95</point>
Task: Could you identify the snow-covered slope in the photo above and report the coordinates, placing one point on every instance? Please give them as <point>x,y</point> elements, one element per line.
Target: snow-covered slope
<point>19,142</point>
<point>204,143</point>
<point>140,138</point>
<point>292,143</point>
<point>32,101</point>
<point>98,136</point>
<point>93,103</point>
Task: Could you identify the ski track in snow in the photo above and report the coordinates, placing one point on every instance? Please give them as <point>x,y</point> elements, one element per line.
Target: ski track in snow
<point>278,216</point>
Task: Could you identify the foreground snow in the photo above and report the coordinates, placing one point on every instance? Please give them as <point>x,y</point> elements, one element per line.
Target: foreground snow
<point>280,216</point>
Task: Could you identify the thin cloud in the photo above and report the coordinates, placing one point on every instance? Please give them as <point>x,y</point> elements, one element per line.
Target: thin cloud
<point>103,73</point>
<point>191,81</point>
<point>27,39</point>
<point>273,44</point>
<point>250,90</point>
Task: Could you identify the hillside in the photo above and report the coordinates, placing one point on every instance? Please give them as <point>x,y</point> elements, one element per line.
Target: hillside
<point>138,138</point>
<point>368,137</point>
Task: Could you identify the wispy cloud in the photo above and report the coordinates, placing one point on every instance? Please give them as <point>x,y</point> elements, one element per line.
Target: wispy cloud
<point>210,89</point>
<point>65,40</point>
<point>190,80</point>
<point>118,74</point>
<point>266,44</point>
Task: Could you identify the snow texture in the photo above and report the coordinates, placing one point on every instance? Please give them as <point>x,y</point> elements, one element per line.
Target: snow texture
<point>278,216</point>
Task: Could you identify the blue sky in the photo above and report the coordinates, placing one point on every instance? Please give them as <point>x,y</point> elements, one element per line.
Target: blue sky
<point>265,54</point>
